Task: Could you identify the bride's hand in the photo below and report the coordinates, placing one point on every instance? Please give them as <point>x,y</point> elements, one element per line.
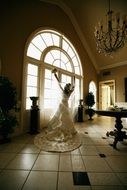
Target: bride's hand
<point>54,71</point>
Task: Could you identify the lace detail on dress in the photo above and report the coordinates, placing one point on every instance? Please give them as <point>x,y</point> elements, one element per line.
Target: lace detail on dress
<point>57,142</point>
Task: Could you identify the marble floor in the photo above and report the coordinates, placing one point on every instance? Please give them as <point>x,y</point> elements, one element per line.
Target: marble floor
<point>95,165</point>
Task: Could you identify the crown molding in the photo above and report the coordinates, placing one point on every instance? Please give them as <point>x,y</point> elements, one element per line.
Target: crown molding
<point>114,65</point>
<point>69,13</point>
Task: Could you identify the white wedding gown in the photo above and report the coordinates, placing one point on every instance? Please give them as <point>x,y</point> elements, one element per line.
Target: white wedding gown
<point>60,134</point>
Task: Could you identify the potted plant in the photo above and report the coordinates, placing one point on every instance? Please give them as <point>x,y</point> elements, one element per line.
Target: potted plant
<point>89,101</point>
<point>8,102</point>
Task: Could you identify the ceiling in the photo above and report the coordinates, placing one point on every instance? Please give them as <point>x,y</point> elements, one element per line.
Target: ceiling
<point>85,14</point>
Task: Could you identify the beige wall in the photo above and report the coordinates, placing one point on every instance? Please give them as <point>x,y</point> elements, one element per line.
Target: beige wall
<point>118,74</point>
<point>19,21</point>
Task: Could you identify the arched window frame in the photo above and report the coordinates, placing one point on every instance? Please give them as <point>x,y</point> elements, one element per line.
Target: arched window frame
<point>93,89</point>
<point>41,65</point>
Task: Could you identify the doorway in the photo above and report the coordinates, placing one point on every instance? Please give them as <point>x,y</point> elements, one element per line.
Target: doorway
<point>106,94</point>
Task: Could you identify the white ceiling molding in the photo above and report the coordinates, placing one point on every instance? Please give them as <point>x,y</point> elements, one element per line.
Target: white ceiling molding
<point>68,11</point>
<point>114,65</point>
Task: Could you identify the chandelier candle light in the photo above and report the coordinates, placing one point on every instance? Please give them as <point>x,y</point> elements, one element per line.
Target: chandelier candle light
<point>113,36</point>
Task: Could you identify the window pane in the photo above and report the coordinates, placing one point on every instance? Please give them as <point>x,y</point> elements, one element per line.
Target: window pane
<point>47,38</point>
<point>47,103</point>
<point>75,61</point>
<point>77,70</point>
<point>69,68</point>
<point>54,103</point>
<point>77,82</point>
<point>49,58</point>
<point>48,74</point>
<point>92,87</point>
<point>56,63</point>
<point>54,93</point>
<point>70,52</point>
<point>64,79</point>
<point>47,83</point>
<point>47,93</point>
<point>39,42</point>
<point>54,84</point>
<point>28,103</point>
<point>64,58</point>
<point>65,45</point>
<point>77,91</point>
<point>31,91</point>
<point>56,39</point>
<point>31,81</point>
<point>63,66</point>
<point>32,69</point>
<point>33,52</point>
<point>56,54</point>
<point>68,79</point>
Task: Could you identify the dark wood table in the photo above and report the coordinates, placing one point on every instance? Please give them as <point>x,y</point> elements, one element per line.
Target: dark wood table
<point>118,134</point>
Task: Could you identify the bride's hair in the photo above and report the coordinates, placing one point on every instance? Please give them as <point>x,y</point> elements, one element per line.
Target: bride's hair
<point>67,88</point>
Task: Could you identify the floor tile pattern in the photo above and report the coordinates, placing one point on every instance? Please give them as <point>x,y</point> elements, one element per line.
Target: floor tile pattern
<point>95,165</point>
<point>80,178</point>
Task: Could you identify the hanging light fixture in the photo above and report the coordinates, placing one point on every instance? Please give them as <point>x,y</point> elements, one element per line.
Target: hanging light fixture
<point>112,36</point>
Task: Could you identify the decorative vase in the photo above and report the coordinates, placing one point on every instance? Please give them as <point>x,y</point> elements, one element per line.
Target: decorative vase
<point>34,102</point>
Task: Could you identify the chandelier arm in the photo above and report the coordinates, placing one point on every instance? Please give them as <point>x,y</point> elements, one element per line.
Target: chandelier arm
<point>116,40</point>
<point>110,40</point>
<point>120,44</point>
<point>122,41</point>
<point>108,48</point>
<point>102,46</point>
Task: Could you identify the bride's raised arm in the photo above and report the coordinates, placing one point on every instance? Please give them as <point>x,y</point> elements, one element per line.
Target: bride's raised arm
<point>54,71</point>
<point>73,83</point>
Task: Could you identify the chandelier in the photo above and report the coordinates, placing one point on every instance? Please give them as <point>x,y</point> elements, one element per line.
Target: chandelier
<point>112,36</point>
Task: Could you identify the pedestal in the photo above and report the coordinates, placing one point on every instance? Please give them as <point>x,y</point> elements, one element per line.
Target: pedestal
<point>34,121</point>
<point>34,116</point>
<point>80,113</point>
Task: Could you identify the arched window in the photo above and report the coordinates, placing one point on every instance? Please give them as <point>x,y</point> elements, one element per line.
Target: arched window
<point>49,49</point>
<point>93,89</point>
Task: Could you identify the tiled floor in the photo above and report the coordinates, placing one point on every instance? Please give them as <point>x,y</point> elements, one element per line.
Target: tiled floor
<point>95,165</point>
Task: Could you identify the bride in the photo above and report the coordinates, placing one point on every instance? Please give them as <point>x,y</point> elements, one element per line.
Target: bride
<point>60,134</point>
